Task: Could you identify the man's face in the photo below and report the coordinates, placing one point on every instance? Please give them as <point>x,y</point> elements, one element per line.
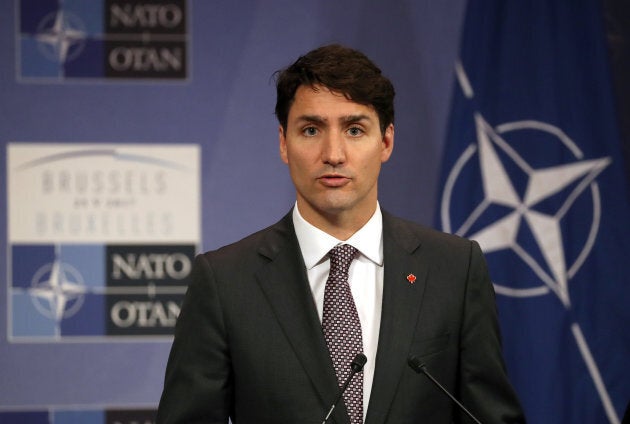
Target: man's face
<point>334,148</point>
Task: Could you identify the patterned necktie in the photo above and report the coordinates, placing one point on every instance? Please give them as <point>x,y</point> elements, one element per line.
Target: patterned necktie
<point>342,328</point>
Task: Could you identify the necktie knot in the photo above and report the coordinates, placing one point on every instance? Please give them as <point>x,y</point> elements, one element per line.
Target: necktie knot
<point>341,257</point>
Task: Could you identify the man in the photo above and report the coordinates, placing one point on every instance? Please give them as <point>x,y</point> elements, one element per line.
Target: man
<point>262,329</point>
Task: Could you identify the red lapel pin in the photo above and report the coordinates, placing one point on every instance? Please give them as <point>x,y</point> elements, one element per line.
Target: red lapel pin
<point>411,278</point>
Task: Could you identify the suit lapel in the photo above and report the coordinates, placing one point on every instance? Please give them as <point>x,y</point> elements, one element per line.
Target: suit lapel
<point>285,284</point>
<point>401,306</point>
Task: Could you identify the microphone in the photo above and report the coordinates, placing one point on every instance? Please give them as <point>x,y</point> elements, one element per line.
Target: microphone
<point>420,367</point>
<point>355,366</point>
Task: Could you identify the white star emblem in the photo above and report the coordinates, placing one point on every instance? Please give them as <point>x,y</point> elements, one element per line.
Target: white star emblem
<point>59,38</point>
<point>57,290</point>
<point>542,183</point>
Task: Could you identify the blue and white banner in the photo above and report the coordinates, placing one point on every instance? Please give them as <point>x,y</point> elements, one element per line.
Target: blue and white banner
<point>533,171</point>
<point>75,40</point>
<point>101,239</point>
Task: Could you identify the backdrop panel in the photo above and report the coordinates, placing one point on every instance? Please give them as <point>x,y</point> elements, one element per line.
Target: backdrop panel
<point>83,77</point>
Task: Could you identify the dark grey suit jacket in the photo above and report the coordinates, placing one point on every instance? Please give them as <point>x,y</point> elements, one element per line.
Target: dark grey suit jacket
<point>249,344</point>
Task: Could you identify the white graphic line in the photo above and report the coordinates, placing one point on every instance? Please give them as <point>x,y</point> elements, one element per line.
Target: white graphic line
<point>508,291</point>
<point>595,375</point>
<point>463,80</point>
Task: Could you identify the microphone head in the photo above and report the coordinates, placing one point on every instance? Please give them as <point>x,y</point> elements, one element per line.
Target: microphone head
<point>415,363</point>
<point>358,362</point>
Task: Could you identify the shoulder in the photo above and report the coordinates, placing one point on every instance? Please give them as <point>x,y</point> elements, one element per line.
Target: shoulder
<point>412,235</point>
<point>263,243</point>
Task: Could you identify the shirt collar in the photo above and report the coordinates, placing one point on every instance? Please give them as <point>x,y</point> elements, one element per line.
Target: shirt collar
<point>315,243</point>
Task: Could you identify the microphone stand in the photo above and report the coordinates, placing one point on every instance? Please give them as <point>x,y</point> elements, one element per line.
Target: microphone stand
<point>355,366</point>
<point>419,367</point>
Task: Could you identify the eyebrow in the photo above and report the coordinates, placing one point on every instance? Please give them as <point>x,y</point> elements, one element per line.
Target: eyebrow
<point>354,118</point>
<point>348,119</point>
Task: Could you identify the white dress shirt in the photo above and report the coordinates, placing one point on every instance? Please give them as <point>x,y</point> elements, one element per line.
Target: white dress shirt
<point>365,279</point>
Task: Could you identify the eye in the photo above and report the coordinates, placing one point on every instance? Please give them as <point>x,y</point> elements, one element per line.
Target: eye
<point>309,131</point>
<point>355,131</point>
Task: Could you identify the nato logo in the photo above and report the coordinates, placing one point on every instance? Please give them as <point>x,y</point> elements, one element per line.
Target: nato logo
<point>64,291</point>
<point>530,196</point>
<point>521,196</point>
<point>108,39</point>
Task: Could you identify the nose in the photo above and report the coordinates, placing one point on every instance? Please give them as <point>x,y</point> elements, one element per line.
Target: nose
<point>334,149</point>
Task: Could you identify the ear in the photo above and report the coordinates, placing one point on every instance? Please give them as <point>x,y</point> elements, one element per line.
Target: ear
<point>283,145</point>
<point>388,143</point>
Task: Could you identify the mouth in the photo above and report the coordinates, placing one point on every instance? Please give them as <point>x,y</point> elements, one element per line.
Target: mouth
<point>333,180</point>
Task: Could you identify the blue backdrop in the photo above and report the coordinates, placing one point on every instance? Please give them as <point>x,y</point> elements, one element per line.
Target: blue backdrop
<point>226,106</point>
<point>66,79</point>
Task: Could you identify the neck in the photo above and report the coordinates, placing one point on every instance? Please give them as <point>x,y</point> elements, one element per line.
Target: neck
<point>341,225</point>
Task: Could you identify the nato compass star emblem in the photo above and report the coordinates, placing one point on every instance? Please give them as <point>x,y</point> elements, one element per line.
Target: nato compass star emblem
<point>57,290</point>
<point>61,36</point>
<point>542,183</point>
<point>533,201</point>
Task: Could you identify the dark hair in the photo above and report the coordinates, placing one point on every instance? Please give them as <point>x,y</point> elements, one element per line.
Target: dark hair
<point>342,70</point>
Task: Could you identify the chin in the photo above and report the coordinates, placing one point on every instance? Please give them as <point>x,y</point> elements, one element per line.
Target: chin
<point>334,206</point>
